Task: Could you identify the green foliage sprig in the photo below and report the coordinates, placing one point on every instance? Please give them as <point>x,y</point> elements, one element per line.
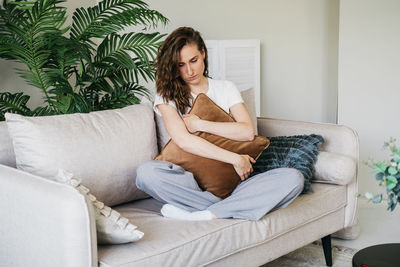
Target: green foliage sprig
<point>387,173</point>
<point>65,62</point>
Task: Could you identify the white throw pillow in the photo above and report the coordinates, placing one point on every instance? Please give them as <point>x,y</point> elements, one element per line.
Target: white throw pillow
<point>104,148</point>
<point>111,227</point>
<point>334,168</point>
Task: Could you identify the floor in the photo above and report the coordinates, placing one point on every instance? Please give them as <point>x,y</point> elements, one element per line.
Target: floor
<point>377,224</point>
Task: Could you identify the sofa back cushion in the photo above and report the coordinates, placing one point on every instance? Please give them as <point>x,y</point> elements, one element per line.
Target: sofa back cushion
<point>7,156</point>
<point>249,102</point>
<point>103,148</point>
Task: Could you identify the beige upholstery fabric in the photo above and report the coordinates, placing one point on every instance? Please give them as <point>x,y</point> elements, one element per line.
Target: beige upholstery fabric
<point>102,148</point>
<point>248,98</point>
<point>29,213</point>
<point>334,168</point>
<point>349,233</point>
<point>7,156</point>
<point>283,244</point>
<point>340,139</point>
<point>199,243</point>
<point>43,223</point>
<point>162,134</point>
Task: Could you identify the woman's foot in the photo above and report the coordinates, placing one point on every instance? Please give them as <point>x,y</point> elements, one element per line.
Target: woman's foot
<point>170,211</point>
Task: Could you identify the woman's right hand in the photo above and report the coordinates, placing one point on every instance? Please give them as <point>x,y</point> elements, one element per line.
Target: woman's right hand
<point>243,166</point>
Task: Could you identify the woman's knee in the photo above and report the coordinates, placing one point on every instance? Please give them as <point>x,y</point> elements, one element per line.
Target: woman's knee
<point>294,179</point>
<point>145,174</point>
<point>155,172</point>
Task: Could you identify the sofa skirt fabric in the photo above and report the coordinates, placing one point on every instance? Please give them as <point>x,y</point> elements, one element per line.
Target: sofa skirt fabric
<point>169,242</point>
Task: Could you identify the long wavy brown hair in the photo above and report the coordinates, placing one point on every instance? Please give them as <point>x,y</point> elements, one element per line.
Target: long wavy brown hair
<point>170,86</point>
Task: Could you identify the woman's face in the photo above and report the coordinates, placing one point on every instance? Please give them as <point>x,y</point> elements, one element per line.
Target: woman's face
<point>191,64</point>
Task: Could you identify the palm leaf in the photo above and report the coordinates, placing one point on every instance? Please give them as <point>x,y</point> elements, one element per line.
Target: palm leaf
<point>13,103</point>
<point>136,16</point>
<point>139,90</point>
<point>37,77</point>
<point>122,96</point>
<point>43,111</point>
<point>26,23</point>
<point>111,16</point>
<point>79,104</point>
<point>113,55</point>
<point>101,85</point>
<point>92,96</point>
<point>147,71</point>
<point>106,76</point>
<point>143,45</point>
<point>65,55</point>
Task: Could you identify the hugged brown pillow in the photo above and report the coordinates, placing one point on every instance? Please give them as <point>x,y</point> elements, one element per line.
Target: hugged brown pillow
<point>215,176</point>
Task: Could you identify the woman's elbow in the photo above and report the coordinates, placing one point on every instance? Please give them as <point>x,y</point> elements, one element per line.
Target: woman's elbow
<point>183,143</point>
<point>247,136</point>
<point>250,134</point>
<point>184,146</point>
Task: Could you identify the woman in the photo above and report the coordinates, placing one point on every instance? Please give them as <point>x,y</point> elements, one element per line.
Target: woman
<point>182,73</point>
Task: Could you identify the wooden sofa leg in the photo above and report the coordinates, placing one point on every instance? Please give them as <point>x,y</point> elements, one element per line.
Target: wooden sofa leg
<point>326,244</point>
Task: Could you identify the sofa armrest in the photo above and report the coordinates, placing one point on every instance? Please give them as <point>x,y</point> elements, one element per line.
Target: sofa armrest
<point>44,223</point>
<point>339,139</point>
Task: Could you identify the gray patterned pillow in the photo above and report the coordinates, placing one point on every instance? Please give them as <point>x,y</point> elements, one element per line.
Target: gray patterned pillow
<point>298,151</point>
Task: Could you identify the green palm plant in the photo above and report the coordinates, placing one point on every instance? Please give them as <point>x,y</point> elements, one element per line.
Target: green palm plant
<point>84,67</point>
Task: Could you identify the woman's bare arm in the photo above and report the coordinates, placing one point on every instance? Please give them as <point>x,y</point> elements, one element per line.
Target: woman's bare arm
<point>241,130</point>
<point>199,146</point>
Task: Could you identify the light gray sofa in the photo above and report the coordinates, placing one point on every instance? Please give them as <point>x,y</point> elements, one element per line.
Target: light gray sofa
<point>44,223</point>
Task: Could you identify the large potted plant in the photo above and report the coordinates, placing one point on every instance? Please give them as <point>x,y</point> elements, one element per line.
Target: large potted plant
<point>84,67</point>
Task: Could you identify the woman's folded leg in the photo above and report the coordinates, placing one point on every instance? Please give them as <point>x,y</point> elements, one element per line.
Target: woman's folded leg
<point>261,193</point>
<point>170,183</point>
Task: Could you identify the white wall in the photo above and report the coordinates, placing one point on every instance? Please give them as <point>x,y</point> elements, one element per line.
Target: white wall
<point>298,49</point>
<point>369,76</point>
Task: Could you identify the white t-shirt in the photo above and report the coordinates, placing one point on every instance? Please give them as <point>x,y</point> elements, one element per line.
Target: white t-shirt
<point>223,93</point>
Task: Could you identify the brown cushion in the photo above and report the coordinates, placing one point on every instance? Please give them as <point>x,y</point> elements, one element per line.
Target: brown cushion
<point>215,176</point>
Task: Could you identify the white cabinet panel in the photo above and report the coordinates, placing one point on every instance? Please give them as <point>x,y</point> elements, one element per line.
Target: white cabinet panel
<point>237,61</point>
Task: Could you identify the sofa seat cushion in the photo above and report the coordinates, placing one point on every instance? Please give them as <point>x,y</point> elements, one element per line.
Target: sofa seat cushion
<point>169,242</point>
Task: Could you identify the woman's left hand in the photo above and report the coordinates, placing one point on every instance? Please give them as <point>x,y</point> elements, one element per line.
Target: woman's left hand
<point>192,122</point>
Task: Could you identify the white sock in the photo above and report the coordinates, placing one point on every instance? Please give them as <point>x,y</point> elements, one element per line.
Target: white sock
<point>170,211</point>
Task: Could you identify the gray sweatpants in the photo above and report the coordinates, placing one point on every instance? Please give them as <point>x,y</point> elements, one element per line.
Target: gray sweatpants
<point>252,198</point>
